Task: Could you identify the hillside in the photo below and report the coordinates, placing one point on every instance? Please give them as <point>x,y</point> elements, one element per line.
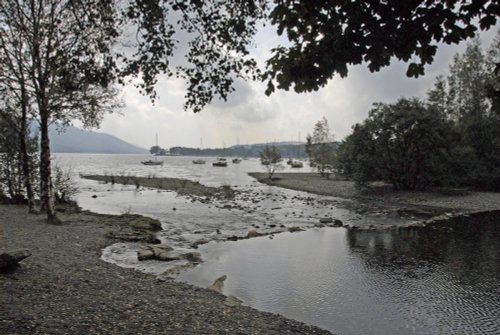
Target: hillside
<point>77,140</point>
<point>287,149</point>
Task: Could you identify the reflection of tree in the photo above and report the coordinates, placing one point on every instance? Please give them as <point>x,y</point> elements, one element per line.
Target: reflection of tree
<point>468,252</point>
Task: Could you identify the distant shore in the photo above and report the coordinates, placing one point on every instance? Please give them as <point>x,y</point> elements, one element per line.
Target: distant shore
<point>454,200</point>
<point>64,287</point>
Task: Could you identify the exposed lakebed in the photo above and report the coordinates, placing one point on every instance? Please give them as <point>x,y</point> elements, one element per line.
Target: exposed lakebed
<point>348,281</point>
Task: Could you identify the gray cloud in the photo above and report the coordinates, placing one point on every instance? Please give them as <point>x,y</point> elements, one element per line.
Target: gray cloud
<point>249,116</point>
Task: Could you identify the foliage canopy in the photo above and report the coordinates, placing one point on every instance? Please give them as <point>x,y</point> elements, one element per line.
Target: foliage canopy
<point>328,36</point>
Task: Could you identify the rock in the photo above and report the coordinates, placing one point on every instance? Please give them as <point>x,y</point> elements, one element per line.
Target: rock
<point>232,301</point>
<point>144,254</point>
<point>325,220</point>
<point>144,237</point>
<point>337,223</point>
<point>94,196</point>
<point>195,244</point>
<point>294,229</point>
<point>193,257</point>
<point>218,284</point>
<point>227,206</point>
<point>253,233</point>
<point>166,256</point>
<point>159,252</point>
<point>10,259</point>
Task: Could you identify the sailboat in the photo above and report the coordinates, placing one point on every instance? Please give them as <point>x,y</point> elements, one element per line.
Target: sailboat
<point>153,162</point>
<point>199,160</point>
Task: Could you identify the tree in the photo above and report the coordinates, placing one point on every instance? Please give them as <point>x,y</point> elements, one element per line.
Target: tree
<point>493,68</point>
<point>64,185</point>
<point>404,143</point>
<point>62,62</point>
<point>326,37</point>
<point>216,40</point>
<point>270,158</point>
<point>16,104</point>
<point>321,149</point>
<point>155,149</point>
<point>469,96</point>
<point>12,163</point>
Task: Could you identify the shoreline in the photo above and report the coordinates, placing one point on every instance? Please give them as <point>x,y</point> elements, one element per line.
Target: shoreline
<point>65,287</point>
<point>453,201</point>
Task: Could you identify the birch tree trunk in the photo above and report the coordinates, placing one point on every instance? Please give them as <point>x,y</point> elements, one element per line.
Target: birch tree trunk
<point>24,149</point>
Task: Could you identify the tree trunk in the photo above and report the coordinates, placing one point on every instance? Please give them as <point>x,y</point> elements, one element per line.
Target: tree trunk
<point>46,191</point>
<point>24,154</point>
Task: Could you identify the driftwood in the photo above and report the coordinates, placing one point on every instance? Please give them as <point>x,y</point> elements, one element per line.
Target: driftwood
<point>9,259</point>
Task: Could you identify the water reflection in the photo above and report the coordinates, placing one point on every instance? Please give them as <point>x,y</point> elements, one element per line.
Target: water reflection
<point>468,252</point>
<point>368,282</point>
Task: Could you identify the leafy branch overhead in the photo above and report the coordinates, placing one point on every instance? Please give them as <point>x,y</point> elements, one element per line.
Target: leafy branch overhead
<point>328,36</point>
<point>216,37</point>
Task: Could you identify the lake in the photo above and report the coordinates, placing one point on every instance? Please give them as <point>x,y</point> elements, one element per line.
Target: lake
<point>410,281</point>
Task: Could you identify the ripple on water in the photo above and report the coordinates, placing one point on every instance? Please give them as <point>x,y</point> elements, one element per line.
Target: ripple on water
<point>360,282</point>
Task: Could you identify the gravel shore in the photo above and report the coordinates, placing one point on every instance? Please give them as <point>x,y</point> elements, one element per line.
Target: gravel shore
<point>64,288</point>
<point>383,195</point>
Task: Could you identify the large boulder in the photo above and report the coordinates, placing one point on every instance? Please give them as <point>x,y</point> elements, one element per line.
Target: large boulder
<point>11,258</point>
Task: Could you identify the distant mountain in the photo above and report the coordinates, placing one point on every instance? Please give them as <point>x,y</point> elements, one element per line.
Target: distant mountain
<point>76,140</point>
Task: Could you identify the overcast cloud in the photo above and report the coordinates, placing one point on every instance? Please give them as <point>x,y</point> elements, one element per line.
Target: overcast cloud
<point>249,116</point>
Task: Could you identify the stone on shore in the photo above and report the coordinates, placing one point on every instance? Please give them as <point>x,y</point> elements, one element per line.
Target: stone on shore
<point>166,254</point>
<point>232,301</point>
<point>9,259</point>
<point>253,233</point>
<point>325,220</point>
<point>218,284</point>
<point>159,252</point>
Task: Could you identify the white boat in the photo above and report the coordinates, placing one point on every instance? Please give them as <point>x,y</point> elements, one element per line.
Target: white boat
<point>199,161</point>
<point>220,162</point>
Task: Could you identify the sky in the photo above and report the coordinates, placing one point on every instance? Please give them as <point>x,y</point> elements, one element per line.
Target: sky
<point>249,116</point>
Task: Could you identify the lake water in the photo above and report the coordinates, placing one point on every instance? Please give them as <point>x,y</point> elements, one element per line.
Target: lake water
<point>350,282</point>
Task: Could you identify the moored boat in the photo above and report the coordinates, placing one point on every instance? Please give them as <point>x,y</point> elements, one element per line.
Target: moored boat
<point>199,161</point>
<point>220,162</point>
<point>151,162</point>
